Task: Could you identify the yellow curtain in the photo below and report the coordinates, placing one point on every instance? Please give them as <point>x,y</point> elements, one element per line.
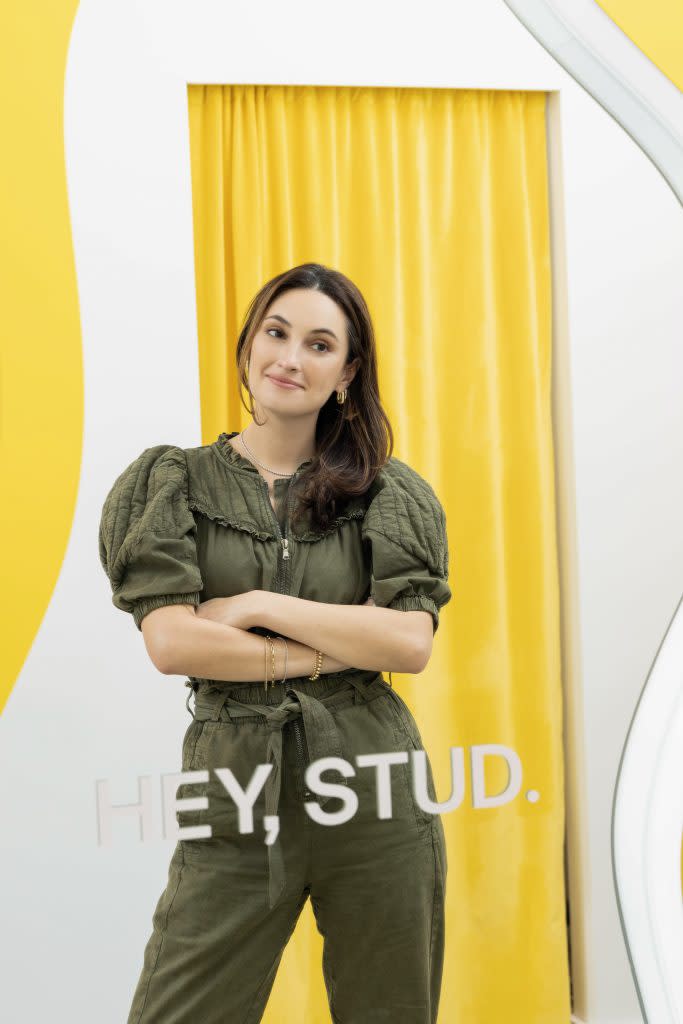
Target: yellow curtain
<point>435,202</point>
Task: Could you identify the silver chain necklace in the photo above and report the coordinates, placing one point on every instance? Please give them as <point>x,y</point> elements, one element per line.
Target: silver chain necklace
<point>252,456</point>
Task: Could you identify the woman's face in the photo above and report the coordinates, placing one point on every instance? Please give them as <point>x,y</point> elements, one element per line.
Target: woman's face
<point>302,339</point>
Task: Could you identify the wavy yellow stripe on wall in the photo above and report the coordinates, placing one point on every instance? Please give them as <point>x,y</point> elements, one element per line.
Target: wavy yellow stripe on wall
<point>41,372</point>
<point>656,28</point>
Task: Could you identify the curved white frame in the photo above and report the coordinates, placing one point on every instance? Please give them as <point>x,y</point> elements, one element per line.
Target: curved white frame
<point>646,834</point>
<point>585,41</point>
<point>647,811</point>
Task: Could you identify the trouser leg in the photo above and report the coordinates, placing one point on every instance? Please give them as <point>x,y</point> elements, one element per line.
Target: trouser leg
<point>216,944</point>
<point>378,888</point>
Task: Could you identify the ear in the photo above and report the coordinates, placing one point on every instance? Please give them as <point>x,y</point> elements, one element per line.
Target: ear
<point>349,373</point>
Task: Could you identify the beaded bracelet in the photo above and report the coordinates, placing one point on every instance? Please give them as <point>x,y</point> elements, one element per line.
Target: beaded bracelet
<point>318,665</point>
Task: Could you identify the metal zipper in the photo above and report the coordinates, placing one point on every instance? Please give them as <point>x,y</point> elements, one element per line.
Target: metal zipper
<point>284,542</point>
<point>302,758</point>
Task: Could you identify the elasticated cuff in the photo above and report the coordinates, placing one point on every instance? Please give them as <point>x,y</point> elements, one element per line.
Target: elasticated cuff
<point>148,604</point>
<point>417,603</point>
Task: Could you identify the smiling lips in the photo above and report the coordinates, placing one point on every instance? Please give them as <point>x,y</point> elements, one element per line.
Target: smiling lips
<point>282,382</point>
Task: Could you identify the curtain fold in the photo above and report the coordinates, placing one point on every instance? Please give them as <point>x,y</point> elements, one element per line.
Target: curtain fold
<point>435,202</point>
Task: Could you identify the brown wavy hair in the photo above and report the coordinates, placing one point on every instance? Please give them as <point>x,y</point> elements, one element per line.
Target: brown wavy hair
<point>353,440</point>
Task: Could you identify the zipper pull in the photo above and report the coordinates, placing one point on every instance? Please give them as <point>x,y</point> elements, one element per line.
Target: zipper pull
<point>285,547</point>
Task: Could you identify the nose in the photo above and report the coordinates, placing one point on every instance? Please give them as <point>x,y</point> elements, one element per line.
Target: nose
<point>289,357</point>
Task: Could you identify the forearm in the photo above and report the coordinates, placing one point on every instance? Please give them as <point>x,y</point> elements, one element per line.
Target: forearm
<point>211,650</point>
<point>365,636</point>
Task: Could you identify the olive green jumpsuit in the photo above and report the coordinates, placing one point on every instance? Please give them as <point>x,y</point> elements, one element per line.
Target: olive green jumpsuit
<point>186,525</point>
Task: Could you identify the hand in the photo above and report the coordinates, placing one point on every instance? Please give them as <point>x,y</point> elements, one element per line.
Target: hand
<point>229,611</point>
<point>369,601</point>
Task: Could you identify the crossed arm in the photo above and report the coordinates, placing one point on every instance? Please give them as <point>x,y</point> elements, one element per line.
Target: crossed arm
<point>213,642</point>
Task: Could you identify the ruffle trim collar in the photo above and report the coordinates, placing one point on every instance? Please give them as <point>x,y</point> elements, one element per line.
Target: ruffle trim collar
<point>222,443</point>
<point>355,508</point>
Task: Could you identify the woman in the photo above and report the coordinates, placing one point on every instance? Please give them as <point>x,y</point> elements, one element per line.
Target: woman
<point>282,569</point>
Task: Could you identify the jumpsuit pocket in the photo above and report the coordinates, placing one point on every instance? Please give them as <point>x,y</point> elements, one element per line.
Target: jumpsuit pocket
<point>234,746</point>
<point>409,734</point>
<point>193,759</point>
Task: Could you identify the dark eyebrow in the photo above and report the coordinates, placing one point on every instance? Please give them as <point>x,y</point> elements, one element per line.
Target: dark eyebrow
<point>316,330</point>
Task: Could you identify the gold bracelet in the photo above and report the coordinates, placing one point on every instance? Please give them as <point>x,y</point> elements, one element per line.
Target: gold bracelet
<point>272,655</point>
<point>265,652</point>
<point>286,655</point>
<point>271,639</point>
<point>318,665</point>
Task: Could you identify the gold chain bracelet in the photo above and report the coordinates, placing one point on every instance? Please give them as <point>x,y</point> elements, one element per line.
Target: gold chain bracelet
<point>269,640</point>
<point>265,652</point>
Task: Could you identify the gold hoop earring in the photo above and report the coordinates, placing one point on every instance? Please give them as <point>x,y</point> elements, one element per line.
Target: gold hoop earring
<point>341,396</point>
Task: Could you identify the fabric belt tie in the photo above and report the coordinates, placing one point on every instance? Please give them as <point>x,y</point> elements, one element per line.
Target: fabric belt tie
<point>322,740</point>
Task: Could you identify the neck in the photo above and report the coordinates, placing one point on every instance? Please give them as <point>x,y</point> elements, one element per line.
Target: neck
<point>281,447</point>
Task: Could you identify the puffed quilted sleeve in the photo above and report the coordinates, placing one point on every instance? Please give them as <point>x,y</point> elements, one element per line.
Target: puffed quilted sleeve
<point>147,535</point>
<point>405,527</point>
